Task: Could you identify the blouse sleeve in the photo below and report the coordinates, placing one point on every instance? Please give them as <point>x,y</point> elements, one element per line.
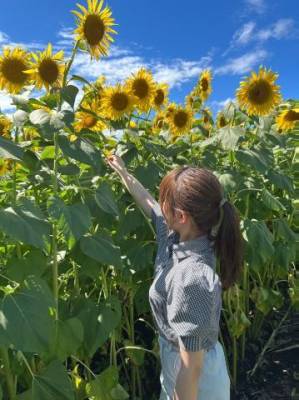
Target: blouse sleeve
<point>159,223</point>
<point>190,307</point>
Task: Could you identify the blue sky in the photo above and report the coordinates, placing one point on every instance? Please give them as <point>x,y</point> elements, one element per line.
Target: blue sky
<point>175,39</point>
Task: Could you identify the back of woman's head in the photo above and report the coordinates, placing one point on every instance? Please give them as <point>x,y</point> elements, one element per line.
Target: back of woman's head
<point>198,191</point>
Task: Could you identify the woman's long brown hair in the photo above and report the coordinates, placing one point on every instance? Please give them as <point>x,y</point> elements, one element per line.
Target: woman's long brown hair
<point>198,191</point>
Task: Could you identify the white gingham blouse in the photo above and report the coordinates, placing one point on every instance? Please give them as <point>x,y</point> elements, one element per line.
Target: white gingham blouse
<point>185,295</point>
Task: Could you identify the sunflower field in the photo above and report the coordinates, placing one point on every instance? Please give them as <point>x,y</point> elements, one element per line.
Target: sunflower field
<point>77,252</point>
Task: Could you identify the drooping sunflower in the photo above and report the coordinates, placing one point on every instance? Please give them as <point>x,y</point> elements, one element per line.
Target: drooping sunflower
<point>158,122</point>
<point>94,27</point>
<point>258,94</point>
<point>204,87</point>
<point>170,109</point>
<point>207,117</point>
<point>288,119</point>
<point>13,63</point>
<point>180,120</point>
<point>87,118</point>
<point>46,68</point>
<point>5,126</point>
<point>160,96</point>
<point>142,86</point>
<point>221,120</point>
<point>116,102</point>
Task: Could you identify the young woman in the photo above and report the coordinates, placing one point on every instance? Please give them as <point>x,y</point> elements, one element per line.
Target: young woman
<point>195,225</point>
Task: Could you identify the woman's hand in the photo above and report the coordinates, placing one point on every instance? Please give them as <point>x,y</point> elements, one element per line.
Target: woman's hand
<point>116,163</point>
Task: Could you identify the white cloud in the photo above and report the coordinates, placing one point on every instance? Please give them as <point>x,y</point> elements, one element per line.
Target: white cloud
<point>5,103</point>
<point>258,6</point>
<point>117,69</point>
<point>242,64</point>
<point>244,34</point>
<point>218,105</point>
<point>281,29</point>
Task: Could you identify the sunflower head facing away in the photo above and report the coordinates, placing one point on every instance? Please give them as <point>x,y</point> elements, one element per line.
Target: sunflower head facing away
<point>87,117</point>
<point>204,87</point>
<point>94,27</point>
<point>158,122</point>
<point>180,120</point>
<point>47,69</point>
<point>142,86</point>
<point>5,126</point>
<point>288,119</point>
<point>116,102</point>
<point>258,94</point>
<point>160,96</point>
<point>221,120</point>
<point>13,63</point>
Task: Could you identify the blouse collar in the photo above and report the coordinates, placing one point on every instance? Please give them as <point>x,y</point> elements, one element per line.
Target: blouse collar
<point>185,248</point>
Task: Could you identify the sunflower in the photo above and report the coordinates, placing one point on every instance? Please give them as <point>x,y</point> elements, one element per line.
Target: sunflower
<point>258,94</point>
<point>142,86</point>
<point>158,122</point>
<point>287,119</point>
<point>206,117</point>
<point>13,63</point>
<point>116,102</point>
<point>160,97</point>
<point>47,69</point>
<point>170,109</point>
<point>221,120</point>
<point>94,90</point>
<point>5,126</point>
<point>180,120</point>
<point>30,132</point>
<point>204,87</point>
<point>87,118</point>
<point>94,27</point>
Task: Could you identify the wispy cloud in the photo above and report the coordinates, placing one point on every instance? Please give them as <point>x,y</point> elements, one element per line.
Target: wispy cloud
<point>217,105</point>
<point>257,6</point>
<point>242,64</point>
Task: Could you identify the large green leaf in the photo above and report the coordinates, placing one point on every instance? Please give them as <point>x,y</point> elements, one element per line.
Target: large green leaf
<point>280,181</point>
<point>251,158</point>
<point>230,136</point>
<point>10,150</point>
<point>26,223</point>
<point>271,202</point>
<point>260,242</point>
<point>74,219</point>
<point>101,249</point>
<point>53,383</point>
<point>26,316</point>
<point>106,386</point>
<point>33,262</point>
<point>104,197</point>
<point>80,150</point>
<point>69,94</point>
<point>69,339</point>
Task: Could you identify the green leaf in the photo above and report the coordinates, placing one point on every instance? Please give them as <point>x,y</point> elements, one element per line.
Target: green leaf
<point>101,249</point>
<point>52,383</point>
<point>260,243</point>
<point>80,79</point>
<point>271,202</point>
<point>80,150</point>
<point>73,219</point>
<point>26,224</point>
<point>106,386</point>
<point>69,94</point>
<point>230,136</point>
<point>70,169</point>
<point>284,231</point>
<point>250,158</point>
<point>280,181</point>
<point>104,197</point>
<point>69,339</point>
<point>26,316</point>
<point>33,262</point>
<point>10,150</point>
<point>48,152</point>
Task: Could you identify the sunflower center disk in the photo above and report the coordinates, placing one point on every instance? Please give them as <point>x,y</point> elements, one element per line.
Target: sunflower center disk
<point>159,99</point>
<point>204,84</point>
<point>89,121</point>
<point>119,101</point>
<point>222,122</point>
<point>140,88</point>
<point>94,29</point>
<point>12,70</point>
<point>180,119</point>
<point>292,116</point>
<point>259,92</point>
<point>49,71</point>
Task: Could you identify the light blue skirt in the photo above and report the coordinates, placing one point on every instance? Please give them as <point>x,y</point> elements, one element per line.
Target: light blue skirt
<point>213,382</point>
